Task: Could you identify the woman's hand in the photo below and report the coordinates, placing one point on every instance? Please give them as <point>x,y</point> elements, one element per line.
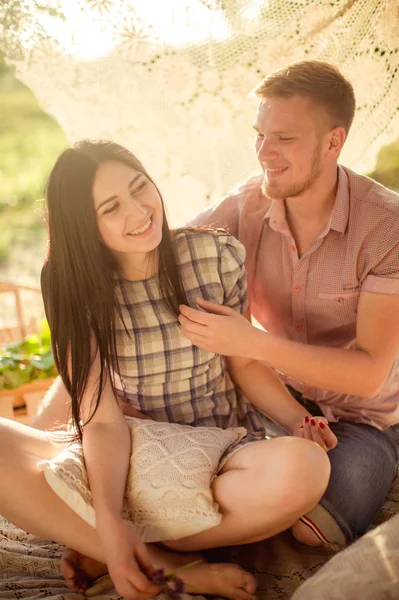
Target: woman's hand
<point>127,559</point>
<point>317,430</point>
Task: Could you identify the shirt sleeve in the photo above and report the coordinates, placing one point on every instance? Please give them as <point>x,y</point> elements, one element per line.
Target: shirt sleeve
<point>232,273</point>
<point>383,277</point>
<point>227,214</point>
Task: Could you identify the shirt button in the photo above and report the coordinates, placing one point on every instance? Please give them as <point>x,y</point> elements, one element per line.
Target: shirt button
<point>293,248</point>
<point>340,300</point>
<point>297,288</point>
<point>298,327</point>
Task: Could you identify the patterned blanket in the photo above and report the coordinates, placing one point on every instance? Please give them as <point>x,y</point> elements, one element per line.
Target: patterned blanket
<point>29,566</point>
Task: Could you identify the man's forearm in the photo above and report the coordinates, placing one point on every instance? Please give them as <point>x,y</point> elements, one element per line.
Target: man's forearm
<point>351,372</point>
<point>55,409</point>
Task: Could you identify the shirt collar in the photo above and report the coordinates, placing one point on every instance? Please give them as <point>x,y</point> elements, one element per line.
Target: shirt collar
<point>339,216</point>
<point>276,215</point>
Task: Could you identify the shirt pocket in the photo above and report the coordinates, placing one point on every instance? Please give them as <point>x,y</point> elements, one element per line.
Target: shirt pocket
<point>342,304</point>
<point>339,297</point>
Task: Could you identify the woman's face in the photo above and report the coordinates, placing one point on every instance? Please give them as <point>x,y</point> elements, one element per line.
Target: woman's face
<point>129,211</point>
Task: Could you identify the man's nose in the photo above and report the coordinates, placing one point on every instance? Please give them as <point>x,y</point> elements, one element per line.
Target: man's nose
<point>267,149</point>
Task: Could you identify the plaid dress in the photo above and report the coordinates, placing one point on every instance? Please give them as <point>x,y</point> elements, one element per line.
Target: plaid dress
<point>161,373</point>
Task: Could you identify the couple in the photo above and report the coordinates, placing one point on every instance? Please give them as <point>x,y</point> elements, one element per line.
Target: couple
<point>311,230</point>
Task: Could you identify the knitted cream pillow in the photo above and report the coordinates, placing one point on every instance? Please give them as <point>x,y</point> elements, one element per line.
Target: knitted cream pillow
<point>167,493</point>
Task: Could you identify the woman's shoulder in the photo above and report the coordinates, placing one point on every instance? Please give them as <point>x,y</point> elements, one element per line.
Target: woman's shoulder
<point>205,242</point>
<point>212,265</point>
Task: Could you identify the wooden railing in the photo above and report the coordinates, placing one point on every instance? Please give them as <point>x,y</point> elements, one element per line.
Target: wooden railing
<point>21,307</point>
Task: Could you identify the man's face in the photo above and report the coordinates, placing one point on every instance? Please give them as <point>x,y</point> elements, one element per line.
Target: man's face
<point>290,144</point>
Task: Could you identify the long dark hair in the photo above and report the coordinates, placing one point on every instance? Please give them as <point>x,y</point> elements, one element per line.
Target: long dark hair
<point>78,276</point>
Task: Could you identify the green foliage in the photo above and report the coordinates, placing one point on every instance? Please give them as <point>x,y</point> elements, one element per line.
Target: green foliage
<point>30,142</point>
<point>4,68</point>
<point>25,361</point>
<point>387,168</point>
<point>19,16</point>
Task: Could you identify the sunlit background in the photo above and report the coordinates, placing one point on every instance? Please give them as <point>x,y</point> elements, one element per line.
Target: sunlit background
<point>170,79</point>
<point>85,35</point>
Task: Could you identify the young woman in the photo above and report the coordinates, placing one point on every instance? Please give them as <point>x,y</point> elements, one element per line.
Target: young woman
<point>113,282</point>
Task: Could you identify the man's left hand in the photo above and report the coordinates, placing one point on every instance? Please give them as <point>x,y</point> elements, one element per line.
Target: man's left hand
<point>220,329</point>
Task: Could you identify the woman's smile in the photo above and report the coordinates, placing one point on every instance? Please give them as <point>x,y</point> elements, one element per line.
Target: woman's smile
<point>143,230</point>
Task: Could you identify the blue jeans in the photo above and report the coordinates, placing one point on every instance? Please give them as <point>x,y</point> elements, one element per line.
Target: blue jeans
<point>363,467</point>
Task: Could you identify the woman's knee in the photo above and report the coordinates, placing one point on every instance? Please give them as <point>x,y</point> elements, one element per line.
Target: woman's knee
<point>305,471</point>
<point>17,439</point>
<point>6,436</point>
<point>292,471</point>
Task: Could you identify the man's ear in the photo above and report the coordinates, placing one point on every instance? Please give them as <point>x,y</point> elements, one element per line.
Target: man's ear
<point>337,140</point>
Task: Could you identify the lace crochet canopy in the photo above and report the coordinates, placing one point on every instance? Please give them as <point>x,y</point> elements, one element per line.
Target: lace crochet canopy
<point>170,78</point>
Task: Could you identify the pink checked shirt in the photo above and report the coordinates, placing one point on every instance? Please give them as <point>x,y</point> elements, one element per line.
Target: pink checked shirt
<point>313,299</point>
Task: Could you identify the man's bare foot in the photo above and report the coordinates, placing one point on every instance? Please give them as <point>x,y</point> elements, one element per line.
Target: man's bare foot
<point>217,579</point>
<point>80,571</point>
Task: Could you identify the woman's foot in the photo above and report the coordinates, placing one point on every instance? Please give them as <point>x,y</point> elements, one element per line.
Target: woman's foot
<point>218,579</point>
<point>79,571</point>
<point>225,580</point>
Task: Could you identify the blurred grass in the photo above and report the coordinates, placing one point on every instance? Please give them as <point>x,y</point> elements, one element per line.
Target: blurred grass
<point>30,142</point>
<point>387,168</point>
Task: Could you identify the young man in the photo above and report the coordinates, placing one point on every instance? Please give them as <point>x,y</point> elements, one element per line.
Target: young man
<point>322,248</point>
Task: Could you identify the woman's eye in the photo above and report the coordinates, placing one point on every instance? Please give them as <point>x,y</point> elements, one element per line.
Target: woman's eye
<point>139,188</point>
<point>285,139</point>
<point>111,209</point>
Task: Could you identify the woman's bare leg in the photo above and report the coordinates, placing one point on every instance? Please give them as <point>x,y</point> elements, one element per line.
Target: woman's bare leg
<point>263,489</point>
<point>55,408</point>
<point>27,501</point>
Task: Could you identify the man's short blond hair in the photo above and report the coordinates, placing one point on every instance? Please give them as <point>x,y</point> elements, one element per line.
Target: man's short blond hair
<point>319,81</point>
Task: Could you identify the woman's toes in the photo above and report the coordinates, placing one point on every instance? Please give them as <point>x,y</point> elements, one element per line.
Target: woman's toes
<point>75,570</point>
<point>68,570</point>
<point>246,591</point>
<point>233,581</point>
<point>242,595</point>
<point>249,584</point>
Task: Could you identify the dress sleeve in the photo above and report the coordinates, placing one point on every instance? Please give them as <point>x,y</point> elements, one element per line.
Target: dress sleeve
<point>232,273</point>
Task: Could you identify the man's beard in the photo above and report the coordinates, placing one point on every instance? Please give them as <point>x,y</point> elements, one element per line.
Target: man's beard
<point>295,189</point>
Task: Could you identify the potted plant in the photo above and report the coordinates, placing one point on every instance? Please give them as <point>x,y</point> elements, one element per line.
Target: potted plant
<point>26,371</point>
